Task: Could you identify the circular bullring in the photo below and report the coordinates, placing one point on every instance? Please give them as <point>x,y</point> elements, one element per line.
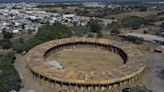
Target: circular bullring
<point>73,77</point>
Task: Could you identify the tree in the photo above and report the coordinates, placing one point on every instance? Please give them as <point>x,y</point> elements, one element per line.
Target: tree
<point>55,31</point>
<point>95,26</point>
<point>80,31</point>
<point>162,25</point>
<point>143,8</point>
<point>134,39</point>
<point>151,18</point>
<point>19,48</point>
<point>114,26</point>
<point>115,32</point>
<point>7,35</point>
<point>3,30</point>
<point>9,78</point>
<point>6,44</point>
<point>133,22</point>
<point>162,43</point>
<point>28,44</point>
<point>82,12</point>
<point>23,26</point>
<point>46,33</point>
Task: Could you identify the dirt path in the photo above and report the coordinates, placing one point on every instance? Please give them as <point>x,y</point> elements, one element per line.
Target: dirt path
<point>156,63</point>
<point>30,85</point>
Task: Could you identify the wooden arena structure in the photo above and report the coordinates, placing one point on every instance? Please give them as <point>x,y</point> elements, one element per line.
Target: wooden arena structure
<point>71,80</point>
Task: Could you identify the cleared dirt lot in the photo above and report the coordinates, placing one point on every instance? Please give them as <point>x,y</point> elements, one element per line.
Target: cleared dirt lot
<point>140,14</point>
<point>87,59</point>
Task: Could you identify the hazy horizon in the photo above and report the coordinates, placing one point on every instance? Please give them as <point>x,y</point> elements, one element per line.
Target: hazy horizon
<point>17,1</point>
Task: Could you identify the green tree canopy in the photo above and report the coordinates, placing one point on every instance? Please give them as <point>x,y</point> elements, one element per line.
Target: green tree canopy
<point>55,31</point>
<point>162,25</point>
<point>114,26</point>
<point>5,44</point>
<point>46,33</point>
<point>9,78</point>
<point>95,25</point>
<point>115,31</point>
<point>7,35</point>
<point>134,39</point>
<point>133,22</point>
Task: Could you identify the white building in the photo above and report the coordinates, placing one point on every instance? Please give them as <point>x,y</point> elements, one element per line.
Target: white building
<point>68,15</point>
<point>33,17</point>
<point>15,31</point>
<point>94,4</point>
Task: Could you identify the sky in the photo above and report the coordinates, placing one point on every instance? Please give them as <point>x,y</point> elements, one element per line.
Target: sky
<point>68,0</point>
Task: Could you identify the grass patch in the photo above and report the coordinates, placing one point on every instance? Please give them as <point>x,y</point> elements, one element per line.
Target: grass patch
<point>9,78</point>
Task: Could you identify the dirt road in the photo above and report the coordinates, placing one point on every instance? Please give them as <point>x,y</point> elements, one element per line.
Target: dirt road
<point>30,85</point>
<point>156,63</point>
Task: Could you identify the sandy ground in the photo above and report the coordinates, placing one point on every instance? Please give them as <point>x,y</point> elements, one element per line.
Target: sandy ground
<point>29,84</point>
<point>156,63</point>
<point>139,14</point>
<point>87,59</point>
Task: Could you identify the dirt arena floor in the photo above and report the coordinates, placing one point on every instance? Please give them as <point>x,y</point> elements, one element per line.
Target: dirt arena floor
<point>87,59</point>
